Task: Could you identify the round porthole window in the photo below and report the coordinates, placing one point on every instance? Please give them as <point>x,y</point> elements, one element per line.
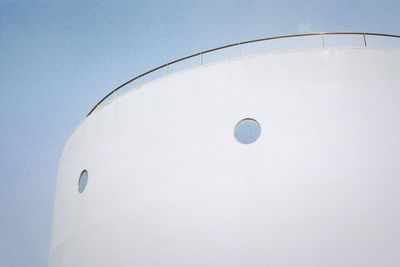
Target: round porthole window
<point>247,131</point>
<point>83,180</point>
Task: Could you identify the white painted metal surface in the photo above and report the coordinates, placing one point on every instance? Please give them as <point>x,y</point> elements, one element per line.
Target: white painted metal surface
<point>170,186</point>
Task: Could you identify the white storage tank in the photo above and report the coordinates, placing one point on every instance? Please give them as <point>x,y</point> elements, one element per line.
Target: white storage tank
<point>271,157</point>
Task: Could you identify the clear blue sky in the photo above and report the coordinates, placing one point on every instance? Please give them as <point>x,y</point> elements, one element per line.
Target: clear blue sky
<point>58,58</point>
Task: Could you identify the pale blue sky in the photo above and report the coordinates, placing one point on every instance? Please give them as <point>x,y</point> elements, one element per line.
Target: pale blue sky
<point>58,58</point>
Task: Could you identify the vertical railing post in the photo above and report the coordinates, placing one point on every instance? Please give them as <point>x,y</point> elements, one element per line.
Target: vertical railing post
<point>365,40</point>
<point>201,59</point>
<point>323,40</point>
<point>167,67</point>
<point>240,50</point>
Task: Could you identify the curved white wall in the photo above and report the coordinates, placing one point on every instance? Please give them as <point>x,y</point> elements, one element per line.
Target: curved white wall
<point>170,186</point>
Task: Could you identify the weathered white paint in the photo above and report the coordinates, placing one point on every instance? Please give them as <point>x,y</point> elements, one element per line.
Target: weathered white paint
<point>170,186</point>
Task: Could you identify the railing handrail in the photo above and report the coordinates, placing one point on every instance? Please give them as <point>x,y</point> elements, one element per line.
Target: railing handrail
<point>238,44</point>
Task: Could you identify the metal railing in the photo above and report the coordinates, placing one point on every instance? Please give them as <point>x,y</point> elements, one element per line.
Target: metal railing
<point>322,41</point>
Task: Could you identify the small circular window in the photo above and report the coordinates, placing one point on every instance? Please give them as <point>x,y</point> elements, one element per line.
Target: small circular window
<point>83,180</point>
<point>247,131</point>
